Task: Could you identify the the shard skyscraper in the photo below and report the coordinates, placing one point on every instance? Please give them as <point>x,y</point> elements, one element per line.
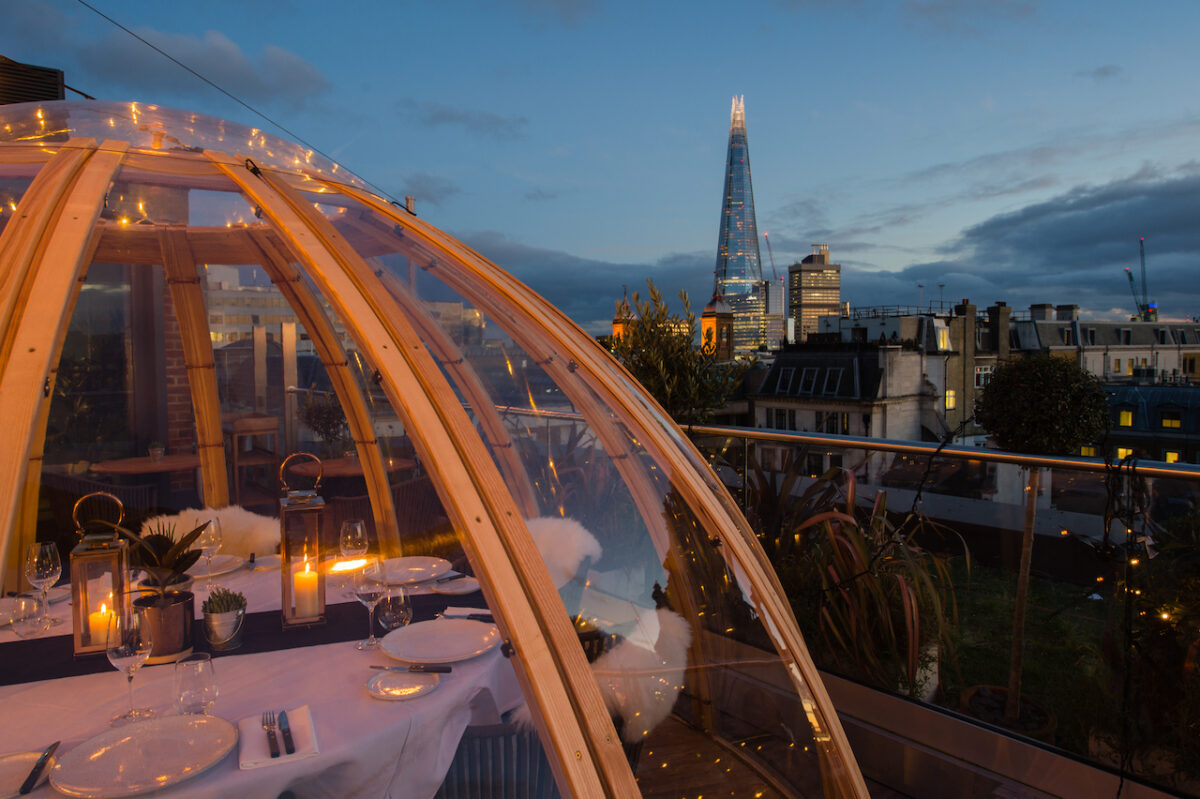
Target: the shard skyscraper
<point>739,268</point>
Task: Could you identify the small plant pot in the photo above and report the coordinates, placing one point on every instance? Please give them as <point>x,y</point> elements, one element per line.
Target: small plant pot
<point>156,453</point>
<point>224,630</point>
<point>182,587</point>
<point>170,622</point>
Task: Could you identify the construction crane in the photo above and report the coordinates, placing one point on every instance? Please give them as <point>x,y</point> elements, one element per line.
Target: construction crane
<point>1146,311</point>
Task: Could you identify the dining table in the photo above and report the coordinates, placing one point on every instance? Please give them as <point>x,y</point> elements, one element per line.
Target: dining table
<point>175,462</point>
<point>365,747</point>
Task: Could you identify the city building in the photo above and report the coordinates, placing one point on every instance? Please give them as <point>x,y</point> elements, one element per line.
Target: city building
<point>738,276</point>
<point>814,290</point>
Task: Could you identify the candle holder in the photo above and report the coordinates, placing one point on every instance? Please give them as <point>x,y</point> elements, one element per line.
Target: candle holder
<point>302,577</point>
<point>99,566</point>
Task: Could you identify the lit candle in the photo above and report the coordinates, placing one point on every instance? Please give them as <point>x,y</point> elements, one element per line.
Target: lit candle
<point>304,588</point>
<point>98,624</point>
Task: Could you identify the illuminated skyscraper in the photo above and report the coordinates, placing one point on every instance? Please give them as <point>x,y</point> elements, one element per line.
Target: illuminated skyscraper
<point>814,290</point>
<point>739,268</point>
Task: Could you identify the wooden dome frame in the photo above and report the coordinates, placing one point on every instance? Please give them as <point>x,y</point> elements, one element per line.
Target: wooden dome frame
<point>57,232</point>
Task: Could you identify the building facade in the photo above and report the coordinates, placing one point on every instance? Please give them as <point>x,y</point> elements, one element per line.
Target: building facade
<point>814,290</point>
<point>738,274</point>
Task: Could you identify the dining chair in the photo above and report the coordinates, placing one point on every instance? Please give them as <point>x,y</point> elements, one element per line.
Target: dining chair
<point>499,761</point>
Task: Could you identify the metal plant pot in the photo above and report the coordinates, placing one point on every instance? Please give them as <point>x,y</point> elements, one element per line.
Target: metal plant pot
<point>224,630</point>
<point>170,621</point>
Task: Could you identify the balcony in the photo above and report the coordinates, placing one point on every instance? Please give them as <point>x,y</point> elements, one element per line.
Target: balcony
<point>1110,627</point>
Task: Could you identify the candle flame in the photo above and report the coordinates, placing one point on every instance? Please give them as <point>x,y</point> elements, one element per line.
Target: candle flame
<point>103,609</point>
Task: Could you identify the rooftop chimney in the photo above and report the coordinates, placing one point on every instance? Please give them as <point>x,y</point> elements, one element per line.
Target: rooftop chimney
<point>1041,312</point>
<point>1067,313</point>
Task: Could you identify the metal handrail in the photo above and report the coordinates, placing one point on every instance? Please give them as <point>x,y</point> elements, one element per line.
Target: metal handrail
<point>1178,471</point>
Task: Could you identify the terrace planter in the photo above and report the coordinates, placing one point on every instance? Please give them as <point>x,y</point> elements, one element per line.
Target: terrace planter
<point>986,703</point>
<point>169,619</point>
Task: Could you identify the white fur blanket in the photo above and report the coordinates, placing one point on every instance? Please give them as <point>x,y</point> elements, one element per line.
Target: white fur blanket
<point>639,683</point>
<point>242,531</point>
<point>564,543</point>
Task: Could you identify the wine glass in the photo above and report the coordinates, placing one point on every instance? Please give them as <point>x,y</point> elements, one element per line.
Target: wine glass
<point>210,543</point>
<point>353,540</point>
<point>42,569</point>
<point>128,647</point>
<point>394,610</point>
<point>369,588</point>
<point>28,616</point>
<point>195,684</point>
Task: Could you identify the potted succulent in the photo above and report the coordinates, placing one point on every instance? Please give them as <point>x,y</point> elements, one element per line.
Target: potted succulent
<point>156,450</point>
<point>166,603</point>
<point>224,613</point>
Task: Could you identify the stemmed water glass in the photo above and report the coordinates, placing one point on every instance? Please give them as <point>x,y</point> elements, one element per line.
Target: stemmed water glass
<point>210,543</point>
<point>353,538</point>
<point>42,569</point>
<point>195,684</point>
<point>394,611</point>
<point>128,647</point>
<point>369,588</point>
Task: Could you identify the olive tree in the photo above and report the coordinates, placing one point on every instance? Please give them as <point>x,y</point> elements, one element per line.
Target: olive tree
<point>658,348</point>
<point>1042,405</point>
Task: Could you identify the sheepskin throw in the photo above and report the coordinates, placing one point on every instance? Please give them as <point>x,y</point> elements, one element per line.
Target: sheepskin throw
<point>564,543</point>
<point>242,531</point>
<point>640,683</point>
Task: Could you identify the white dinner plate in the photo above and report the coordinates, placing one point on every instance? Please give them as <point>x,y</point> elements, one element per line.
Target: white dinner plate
<point>413,569</point>
<point>59,593</point>
<point>440,641</point>
<point>15,768</point>
<point>221,564</point>
<point>396,686</point>
<point>144,756</point>
<point>463,585</point>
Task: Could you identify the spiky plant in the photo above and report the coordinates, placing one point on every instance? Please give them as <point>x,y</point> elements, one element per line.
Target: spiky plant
<point>165,559</point>
<point>222,600</point>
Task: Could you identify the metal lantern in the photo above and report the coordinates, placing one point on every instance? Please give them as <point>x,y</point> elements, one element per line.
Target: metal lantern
<point>302,576</point>
<point>99,580</point>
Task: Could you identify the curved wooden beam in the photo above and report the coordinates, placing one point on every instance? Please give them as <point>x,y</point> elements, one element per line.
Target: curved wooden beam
<point>514,579</point>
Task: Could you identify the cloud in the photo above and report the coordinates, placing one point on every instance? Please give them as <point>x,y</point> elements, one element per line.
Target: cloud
<point>587,289</point>
<point>1072,248</point>
<point>275,76</point>
<point>540,195</point>
<point>429,188</point>
<point>483,123</point>
<point>1105,72</point>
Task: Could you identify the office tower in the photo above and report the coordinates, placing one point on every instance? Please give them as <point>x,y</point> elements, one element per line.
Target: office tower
<point>814,290</point>
<point>739,269</point>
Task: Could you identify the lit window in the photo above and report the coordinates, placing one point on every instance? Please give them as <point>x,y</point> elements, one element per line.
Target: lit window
<point>1125,419</point>
<point>1129,366</point>
<point>1087,452</point>
<point>1172,419</point>
<point>1116,366</point>
<point>951,399</point>
<point>1123,453</point>
<point>943,339</point>
<point>1171,456</point>
<point>983,374</point>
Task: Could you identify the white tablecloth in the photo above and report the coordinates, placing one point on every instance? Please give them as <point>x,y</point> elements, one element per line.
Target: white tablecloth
<point>369,748</point>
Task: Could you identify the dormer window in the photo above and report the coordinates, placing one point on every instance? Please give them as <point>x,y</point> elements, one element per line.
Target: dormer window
<point>1172,420</point>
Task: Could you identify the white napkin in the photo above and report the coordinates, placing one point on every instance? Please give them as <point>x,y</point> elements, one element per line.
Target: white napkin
<point>452,612</point>
<point>254,751</point>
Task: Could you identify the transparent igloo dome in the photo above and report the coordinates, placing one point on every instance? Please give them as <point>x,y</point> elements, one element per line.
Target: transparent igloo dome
<point>187,302</point>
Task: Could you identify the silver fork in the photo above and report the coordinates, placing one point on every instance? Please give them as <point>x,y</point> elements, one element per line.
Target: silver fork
<point>268,723</point>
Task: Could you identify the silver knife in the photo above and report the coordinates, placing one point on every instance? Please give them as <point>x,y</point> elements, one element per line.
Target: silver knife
<point>289,745</point>
<point>37,769</point>
<point>416,668</point>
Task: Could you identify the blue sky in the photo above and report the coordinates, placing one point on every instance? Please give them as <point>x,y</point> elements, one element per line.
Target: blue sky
<point>1009,149</point>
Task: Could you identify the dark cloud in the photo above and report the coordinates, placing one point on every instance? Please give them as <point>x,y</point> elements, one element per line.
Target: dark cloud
<point>483,123</point>
<point>275,77</point>
<point>1072,248</point>
<point>1100,73</point>
<point>587,289</point>
<point>429,188</point>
